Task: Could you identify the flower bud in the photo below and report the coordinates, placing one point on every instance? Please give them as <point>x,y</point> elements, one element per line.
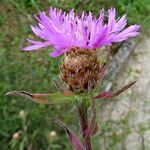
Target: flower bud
<point>22,114</point>
<point>79,68</point>
<point>16,136</point>
<point>52,135</point>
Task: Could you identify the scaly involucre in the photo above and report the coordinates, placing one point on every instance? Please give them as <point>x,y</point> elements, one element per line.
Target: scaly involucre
<point>64,30</point>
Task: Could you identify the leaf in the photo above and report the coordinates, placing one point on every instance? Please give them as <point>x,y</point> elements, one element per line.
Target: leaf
<point>118,92</point>
<point>75,142</point>
<point>51,98</point>
<point>105,95</point>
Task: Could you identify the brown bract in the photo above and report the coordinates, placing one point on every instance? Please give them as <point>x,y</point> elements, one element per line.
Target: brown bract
<point>79,67</point>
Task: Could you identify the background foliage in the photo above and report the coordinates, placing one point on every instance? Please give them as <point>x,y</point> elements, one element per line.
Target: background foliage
<point>35,71</point>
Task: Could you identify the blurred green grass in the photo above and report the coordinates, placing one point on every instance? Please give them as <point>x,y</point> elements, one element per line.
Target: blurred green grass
<point>34,71</point>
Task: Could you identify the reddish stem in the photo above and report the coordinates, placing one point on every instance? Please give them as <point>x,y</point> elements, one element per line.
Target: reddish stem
<point>82,114</point>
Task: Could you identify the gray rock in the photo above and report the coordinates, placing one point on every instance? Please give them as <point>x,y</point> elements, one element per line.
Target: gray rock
<point>131,112</point>
<point>133,142</point>
<point>147,140</point>
<point>120,110</point>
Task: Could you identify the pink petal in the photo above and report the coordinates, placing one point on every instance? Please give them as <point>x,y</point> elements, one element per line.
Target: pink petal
<point>56,53</point>
<point>36,46</point>
<point>66,30</point>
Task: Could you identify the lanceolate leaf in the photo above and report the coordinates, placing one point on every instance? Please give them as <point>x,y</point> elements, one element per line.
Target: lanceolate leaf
<point>75,142</point>
<point>50,98</point>
<point>113,94</point>
<point>105,95</point>
<point>118,92</point>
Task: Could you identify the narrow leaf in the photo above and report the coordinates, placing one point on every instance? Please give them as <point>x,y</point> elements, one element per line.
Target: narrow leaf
<point>105,95</point>
<point>75,142</point>
<point>118,92</point>
<point>50,98</point>
<point>39,98</point>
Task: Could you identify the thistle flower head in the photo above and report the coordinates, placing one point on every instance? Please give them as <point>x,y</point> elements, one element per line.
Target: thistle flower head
<point>78,37</point>
<point>64,31</point>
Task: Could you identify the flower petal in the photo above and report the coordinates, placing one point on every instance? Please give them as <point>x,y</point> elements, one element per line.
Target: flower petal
<point>66,30</point>
<point>36,45</point>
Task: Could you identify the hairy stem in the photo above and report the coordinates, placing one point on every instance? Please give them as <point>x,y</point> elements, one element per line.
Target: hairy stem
<point>82,114</point>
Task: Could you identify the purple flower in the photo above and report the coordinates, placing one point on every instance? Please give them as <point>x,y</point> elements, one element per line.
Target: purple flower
<point>66,30</point>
